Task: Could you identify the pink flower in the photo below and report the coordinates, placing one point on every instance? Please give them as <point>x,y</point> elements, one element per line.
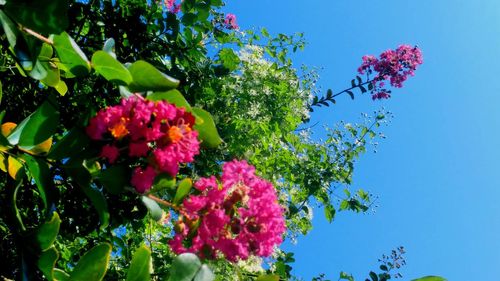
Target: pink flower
<point>230,22</point>
<point>110,152</point>
<point>393,65</point>
<point>142,179</point>
<point>237,218</point>
<point>138,149</point>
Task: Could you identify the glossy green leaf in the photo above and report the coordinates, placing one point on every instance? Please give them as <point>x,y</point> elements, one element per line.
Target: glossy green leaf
<point>9,28</point>
<point>71,58</point>
<point>430,278</point>
<point>93,265</point>
<point>111,69</point>
<point>60,275</point>
<point>205,274</point>
<point>40,172</point>
<point>46,233</point>
<point>36,128</point>
<point>153,207</point>
<point>147,78</point>
<point>81,176</point>
<point>61,88</point>
<point>207,131</point>
<point>47,261</point>
<point>70,145</point>
<point>183,190</point>
<point>114,179</point>
<point>140,265</point>
<point>268,278</point>
<point>184,267</point>
<point>52,74</point>
<point>44,16</point>
<point>172,96</point>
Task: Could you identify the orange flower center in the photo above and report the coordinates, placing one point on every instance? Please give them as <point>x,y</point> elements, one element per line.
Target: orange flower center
<point>119,130</point>
<point>174,134</point>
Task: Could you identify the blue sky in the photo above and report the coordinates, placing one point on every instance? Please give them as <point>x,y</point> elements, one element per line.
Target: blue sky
<point>436,174</point>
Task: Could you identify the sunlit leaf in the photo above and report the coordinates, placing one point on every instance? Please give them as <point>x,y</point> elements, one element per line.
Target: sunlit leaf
<point>140,265</point>
<point>147,78</point>
<point>93,265</point>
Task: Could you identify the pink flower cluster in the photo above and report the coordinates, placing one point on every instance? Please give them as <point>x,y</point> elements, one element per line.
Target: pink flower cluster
<point>393,65</point>
<point>236,218</point>
<point>158,132</point>
<point>230,22</point>
<point>171,6</point>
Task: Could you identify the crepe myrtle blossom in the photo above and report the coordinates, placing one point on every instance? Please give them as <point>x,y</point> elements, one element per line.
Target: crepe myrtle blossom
<point>235,217</point>
<point>394,66</point>
<point>230,21</point>
<point>157,131</point>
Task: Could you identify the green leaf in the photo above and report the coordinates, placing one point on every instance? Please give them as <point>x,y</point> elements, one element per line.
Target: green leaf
<point>153,207</point>
<point>45,235</point>
<point>173,96</point>
<point>36,128</point>
<point>140,265</point>
<point>9,28</point>
<point>71,58</point>
<point>74,142</point>
<point>147,78</point>
<point>93,265</point>
<point>207,131</point>
<point>373,276</point>
<point>47,261</point>
<point>184,267</point>
<point>40,172</point>
<point>109,47</point>
<point>229,59</point>
<point>61,88</point>
<point>44,16</point>
<point>205,274</point>
<point>114,179</point>
<point>183,190</point>
<point>111,69</point>
<point>51,71</point>
<point>329,212</point>
<point>430,278</point>
<point>268,278</point>
<point>60,275</point>
<point>81,176</point>
<point>1,92</point>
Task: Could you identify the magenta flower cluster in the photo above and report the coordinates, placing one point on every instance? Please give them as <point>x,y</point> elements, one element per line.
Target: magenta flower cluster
<point>393,65</point>
<point>236,217</point>
<point>230,22</point>
<point>158,134</point>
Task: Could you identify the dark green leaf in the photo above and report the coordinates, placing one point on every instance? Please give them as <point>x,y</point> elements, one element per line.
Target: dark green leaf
<point>74,142</point>
<point>329,212</point>
<point>81,176</point>
<point>147,78</point>
<point>188,19</point>
<point>363,89</point>
<point>184,267</point>
<point>140,264</point>
<point>36,128</point>
<point>45,235</point>
<point>373,276</point>
<point>71,58</point>
<point>114,179</point>
<point>183,190</point>
<point>40,172</point>
<point>47,261</point>
<point>207,131</point>
<point>93,265</point>
<point>163,181</point>
<point>384,267</point>
<point>351,94</point>
<point>153,207</point>
<point>9,28</point>
<point>44,16</point>
<point>111,69</point>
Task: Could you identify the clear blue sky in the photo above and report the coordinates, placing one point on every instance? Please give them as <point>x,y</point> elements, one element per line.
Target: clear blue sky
<point>437,174</point>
